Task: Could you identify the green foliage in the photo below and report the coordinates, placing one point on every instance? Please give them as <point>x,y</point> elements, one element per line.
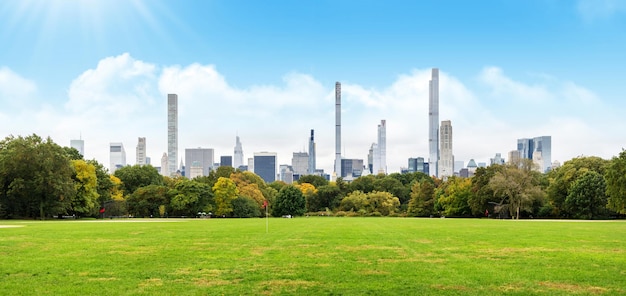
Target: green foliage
<point>225,191</point>
<point>315,180</point>
<point>374,203</point>
<point>587,197</point>
<point>616,183</point>
<point>104,186</point>
<point>517,187</point>
<point>244,207</point>
<point>393,186</point>
<point>72,154</point>
<point>422,203</point>
<point>454,196</point>
<point>328,196</point>
<point>289,201</point>
<point>189,197</point>
<point>364,184</point>
<point>85,201</point>
<point>145,201</point>
<point>136,176</point>
<point>562,178</point>
<point>277,185</point>
<point>35,177</point>
<point>483,197</point>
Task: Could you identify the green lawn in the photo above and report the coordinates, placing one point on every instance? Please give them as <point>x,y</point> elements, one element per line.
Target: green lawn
<point>322,255</point>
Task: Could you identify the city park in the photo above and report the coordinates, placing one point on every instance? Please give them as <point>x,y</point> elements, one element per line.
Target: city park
<point>559,233</point>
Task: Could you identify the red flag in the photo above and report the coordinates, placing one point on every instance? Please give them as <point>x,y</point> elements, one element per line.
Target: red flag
<point>265,204</point>
<point>101,210</point>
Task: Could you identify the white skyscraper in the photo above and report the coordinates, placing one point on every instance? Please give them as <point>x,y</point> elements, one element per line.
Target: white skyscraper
<point>300,163</point>
<point>78,145</point>
<point>433,122</point>
<point>446,161</point>
<point>238,159</point>
<point>117,156</point>
<point>337,129</point>
<point>165,171</point>
<point>141,151</point>
<point>382,147</point>
<point>311,170</point>
<point>172,133</point>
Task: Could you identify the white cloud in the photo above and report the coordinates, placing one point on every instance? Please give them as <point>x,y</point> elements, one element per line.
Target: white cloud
<point>15,90</point>
<point>123,98</point>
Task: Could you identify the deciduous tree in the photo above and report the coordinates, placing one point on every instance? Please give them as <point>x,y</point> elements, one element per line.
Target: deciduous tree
<point>616,183</point>
<point>225,191</point>
<point>289,201</point>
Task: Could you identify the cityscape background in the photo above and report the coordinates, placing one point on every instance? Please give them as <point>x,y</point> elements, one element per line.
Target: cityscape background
<point>101,71</point>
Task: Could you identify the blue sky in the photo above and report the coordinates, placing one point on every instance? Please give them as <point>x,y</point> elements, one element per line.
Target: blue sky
<point>266,69</point>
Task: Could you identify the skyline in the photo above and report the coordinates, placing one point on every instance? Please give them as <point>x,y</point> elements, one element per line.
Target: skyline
<point>507,71</point>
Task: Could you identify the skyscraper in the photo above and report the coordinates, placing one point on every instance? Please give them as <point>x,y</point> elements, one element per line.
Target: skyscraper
<point>337,129</point>
<point>141,151</point>
<point>165,171</point>
<point>311,170</point>
<point>433,122</point>
<point>446,161</point>
<point>265,166</point>
<point>382,148</point>
<point>78,145</point>
<point>204,158</point>
<point>117,157</point>
<point>538,149</point>
<point>238,158</point>
<point>226,160</point>
<point>172,132</point>
<point>300,163</point>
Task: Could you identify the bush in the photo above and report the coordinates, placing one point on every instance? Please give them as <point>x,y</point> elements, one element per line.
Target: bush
<point>244,207</point>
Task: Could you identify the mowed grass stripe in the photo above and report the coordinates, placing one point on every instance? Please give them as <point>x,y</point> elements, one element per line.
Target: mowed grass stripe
<point>321,255</point>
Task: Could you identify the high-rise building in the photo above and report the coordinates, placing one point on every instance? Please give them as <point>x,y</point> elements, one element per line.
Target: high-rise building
<point>311,169</point>
<point>251,164</point>
<point>337,129</point>
<point>117,157</point>
<point>141,151</point>
<point>375,164</point>
<point>417,165</point>
<point>165,170</point>
<point>238,156</point>
<point>286,173</point>
<point>370,158</point>
<point>514,157</point>
<point>433,122</point>
<point>538,149</point>
<point>446,159</point>
<point>195,170</point>
<point>300,163</point>
<point>351,168</point>
<point>382,149</point>
<point>78,145</point>
<point>172,132</point>
<point>226,160</point>
<point>203,156</point>
<point>265,166</point>
<point>497,159</point>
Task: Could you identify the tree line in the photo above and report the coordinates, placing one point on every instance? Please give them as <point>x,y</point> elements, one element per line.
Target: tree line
<point>40,179</point>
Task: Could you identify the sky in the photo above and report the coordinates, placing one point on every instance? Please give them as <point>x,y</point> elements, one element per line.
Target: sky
<point>266,70</point>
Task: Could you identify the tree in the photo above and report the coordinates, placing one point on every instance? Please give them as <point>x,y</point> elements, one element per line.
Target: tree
<point>364,184</point>
<point>145,201</point>
<point>328,196</point>
<point>136,176</point>
<point>289,201</point>
<point>422,201</point>
<point>483,197</point>
<point>375,202</point>
<point>35,177</point>
<point>517,187</point>
<point>453,199</point>
<point>104,186</point>
<point>309,191</point>
<point>314,180</point>
<point>587,197</point>
<point>355,201</point>
<point>85,201</point>
<point>189,197</point>
<point>225,191</point>
<point>393,186</point>
<point>245,207</point>
<point>562,178</point>
<point>616,183</point>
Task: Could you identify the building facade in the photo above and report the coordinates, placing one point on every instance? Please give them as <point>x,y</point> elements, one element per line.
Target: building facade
<point>238,156</point>
<point>78,145</point>
<point>172,133</point>
<point>446,159</point>
<point>226,160</point>
<point>300,163</point>
<point>265,166</point>
<point>204,157</point>
<point>311,168</point>
<point>337,129</point>
<point>117,157</point>
<point>140,151</point>
<point>433,122</point>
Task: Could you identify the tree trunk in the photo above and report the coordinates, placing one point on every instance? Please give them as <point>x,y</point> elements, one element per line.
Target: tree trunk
<point>517,213</point>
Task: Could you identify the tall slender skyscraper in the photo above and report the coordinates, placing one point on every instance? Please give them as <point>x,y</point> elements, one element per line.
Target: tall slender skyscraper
<point>117,157</point>
<point>141,151</point>
<point>172,133</point>
<point>338,129</point>
<point>78,145</point>
<point>165,169</point>
<point>238,159</point>
<point>311,154</point>
<point>433,122</point>
<point>382,147</point>
<point>446,162</point>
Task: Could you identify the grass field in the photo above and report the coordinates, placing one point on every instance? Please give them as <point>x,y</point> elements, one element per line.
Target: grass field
<point>341,256</point>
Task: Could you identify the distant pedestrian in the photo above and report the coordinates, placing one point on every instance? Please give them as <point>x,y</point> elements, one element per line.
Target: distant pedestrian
<point>486,213</point>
